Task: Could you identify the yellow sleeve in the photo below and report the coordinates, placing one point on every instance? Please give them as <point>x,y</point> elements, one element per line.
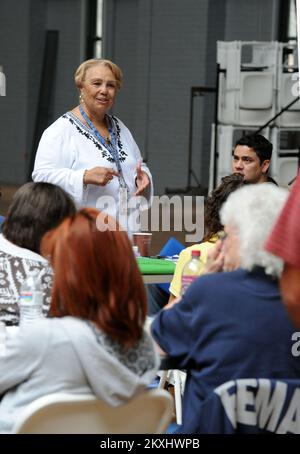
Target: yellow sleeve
<point>175,286</point>
<point>184,257</point>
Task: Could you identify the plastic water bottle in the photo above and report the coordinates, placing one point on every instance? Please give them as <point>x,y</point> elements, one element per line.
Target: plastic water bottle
<point>191,271</point>
<point>31,299</point>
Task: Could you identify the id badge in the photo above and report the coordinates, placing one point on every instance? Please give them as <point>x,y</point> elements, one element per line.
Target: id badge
<point>123,200</point>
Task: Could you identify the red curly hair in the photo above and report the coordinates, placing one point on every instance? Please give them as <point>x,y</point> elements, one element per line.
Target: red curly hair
<point>96,276</point>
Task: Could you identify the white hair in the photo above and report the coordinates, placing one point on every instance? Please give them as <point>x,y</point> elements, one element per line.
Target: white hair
<point>252,210</point>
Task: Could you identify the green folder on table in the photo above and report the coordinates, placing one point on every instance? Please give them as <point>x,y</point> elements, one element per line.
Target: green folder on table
<point>148,265</point>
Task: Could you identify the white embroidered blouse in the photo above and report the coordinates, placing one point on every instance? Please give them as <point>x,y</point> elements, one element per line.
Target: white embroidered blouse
<point>68,147</point>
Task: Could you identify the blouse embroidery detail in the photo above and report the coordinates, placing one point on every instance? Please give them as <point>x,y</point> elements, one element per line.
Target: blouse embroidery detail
<point>83,130</point>
<point>138,359</point>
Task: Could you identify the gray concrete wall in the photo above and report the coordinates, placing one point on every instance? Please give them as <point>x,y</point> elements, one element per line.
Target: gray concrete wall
<point>165,61</point>
<point>22,39</point>
<point>65,16</point>
<point>164,48</point>
<point>14,51</point>
<point>253,20</point>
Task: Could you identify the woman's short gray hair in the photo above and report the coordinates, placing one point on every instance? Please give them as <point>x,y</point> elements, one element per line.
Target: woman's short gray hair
<point>253,210</point>
<point>82,69</point>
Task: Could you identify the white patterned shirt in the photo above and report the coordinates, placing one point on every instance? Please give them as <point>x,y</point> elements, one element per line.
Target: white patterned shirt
<point>15,263</point>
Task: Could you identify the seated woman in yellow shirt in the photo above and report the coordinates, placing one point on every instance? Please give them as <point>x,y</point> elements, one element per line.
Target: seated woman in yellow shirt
<point>213,227</point>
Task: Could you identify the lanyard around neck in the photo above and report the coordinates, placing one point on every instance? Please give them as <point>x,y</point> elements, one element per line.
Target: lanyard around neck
<point>111,146</point>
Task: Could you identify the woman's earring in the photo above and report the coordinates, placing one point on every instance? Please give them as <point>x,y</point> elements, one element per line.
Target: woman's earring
<point>81,98</point>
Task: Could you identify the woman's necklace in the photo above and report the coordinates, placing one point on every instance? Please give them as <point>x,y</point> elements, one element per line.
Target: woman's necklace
<point>102,128</point>
<point>104,132</point>
<point>109,140</point>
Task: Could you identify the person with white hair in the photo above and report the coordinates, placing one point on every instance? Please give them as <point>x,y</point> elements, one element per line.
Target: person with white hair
<point>233,324</point>
<point>247,216</point>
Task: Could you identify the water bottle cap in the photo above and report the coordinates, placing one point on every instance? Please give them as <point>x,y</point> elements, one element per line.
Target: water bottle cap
<point>196,253</point>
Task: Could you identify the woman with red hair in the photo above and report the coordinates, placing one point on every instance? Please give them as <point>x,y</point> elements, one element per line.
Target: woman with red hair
<point>95,341</point>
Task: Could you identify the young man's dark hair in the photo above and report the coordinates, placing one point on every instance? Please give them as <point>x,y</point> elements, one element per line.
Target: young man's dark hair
<point>262,147</point>
<point>251,158</point>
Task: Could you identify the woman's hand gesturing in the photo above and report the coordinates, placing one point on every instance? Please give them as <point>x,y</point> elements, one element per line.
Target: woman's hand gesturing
<point>100,176</point>
<point>142,180</point>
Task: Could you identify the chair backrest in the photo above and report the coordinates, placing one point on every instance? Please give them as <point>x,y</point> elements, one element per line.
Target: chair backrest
<point>247,82</point>
<point>149,412</point>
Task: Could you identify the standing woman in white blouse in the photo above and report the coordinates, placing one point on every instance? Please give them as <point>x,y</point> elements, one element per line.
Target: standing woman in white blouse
<point>89,153</point>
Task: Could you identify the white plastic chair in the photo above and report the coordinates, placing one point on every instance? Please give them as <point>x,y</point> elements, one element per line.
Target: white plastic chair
<point>177,378</point>
<point>284,162</point>
<point>149,412</point>
<point>247,85</point>
<point>287,92</point>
